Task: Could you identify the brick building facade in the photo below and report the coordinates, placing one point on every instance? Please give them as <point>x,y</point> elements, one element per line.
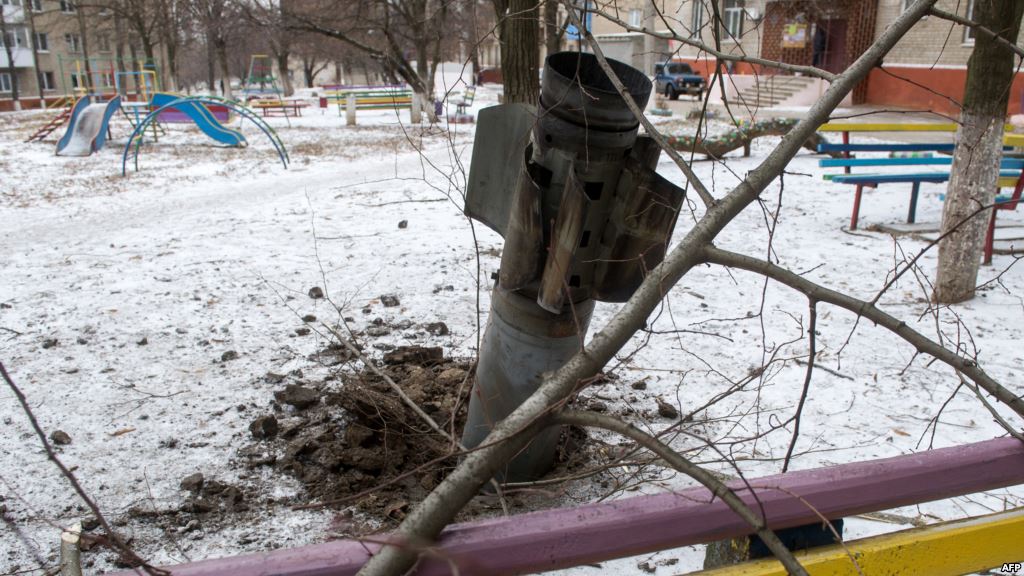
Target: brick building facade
<point>925,70</point>
<point>50,63</point>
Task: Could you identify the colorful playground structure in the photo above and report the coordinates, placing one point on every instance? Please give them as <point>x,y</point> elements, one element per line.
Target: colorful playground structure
<point>102,86</point>
<point>198,111</point>
<point>88,126</point>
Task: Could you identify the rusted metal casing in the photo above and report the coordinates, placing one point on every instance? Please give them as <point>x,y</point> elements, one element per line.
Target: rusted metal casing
<point>522,342</point>
<point>572,188</point>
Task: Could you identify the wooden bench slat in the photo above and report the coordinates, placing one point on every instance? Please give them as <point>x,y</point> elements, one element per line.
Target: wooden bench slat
<point>887,127</point>
<point>934,161</point>
<point>918,177</point>
<point>939,147</point>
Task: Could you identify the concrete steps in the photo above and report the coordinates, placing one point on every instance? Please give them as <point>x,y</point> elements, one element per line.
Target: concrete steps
<point>769,91</point>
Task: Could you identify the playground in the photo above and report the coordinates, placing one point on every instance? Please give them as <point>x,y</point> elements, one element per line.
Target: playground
<point>155,316</point>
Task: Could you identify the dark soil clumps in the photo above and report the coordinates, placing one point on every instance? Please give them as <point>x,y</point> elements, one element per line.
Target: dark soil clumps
<point>362,445</point>
<point>359,445</point>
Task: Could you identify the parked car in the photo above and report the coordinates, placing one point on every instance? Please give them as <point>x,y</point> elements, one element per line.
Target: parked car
<point>675,78</point>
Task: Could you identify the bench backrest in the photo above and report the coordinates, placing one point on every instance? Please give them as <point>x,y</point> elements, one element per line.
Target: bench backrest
<point>893,127</point>
<point>1006,163</point>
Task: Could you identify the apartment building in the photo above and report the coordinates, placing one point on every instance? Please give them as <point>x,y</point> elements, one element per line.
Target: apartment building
<point>926,66</point>
<point>49,41</point>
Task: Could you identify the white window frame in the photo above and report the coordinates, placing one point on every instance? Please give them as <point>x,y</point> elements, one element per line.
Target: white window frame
<point>5,82</point>
<point>635,17</point>
<point>48,81</point>
<point>733,14</point>
<point>18,34</point>
<point>968,39</point>
<point>67,7</point>
<point>73,42</point>
<point>697,19</point>
<point>36,5</point>
<point>43,46</point>
<point>11,2</point>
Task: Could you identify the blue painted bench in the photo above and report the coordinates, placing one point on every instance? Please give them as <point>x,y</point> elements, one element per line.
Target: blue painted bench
<point>1010,172</point>
<point>1011,175</point>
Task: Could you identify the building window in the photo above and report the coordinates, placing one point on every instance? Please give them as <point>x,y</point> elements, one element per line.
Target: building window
<point>968,31</point>
<point>732,14</point>
<point>37,5</point>
<point>47,81</point>
<point>697,19</point>
<point>11,2</point>
<point>635,16</point>
<point>5,82</point>
<point>73,42</point>
<point>15,38</point>
<point>42,42</point>
<point>103,42</point>
<point>67,6</point>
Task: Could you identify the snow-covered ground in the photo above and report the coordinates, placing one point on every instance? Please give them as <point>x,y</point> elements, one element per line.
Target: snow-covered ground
<point>141,315</point>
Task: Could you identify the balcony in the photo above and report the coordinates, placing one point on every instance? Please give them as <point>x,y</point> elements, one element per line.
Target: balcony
<point>14,14</point>
<point>22,58</point>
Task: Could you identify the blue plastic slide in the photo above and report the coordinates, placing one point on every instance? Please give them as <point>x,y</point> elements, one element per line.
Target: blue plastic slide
<point>87,128</point>
<point>201,117</point>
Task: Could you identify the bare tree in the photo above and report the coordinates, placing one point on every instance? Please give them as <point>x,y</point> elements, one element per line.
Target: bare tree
<point>975,172</point>
<point>386,31</point>
<point>214,16</point>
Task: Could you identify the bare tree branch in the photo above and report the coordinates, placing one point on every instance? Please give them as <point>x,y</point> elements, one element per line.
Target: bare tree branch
<point>920,342</point>
<point>938,13</point>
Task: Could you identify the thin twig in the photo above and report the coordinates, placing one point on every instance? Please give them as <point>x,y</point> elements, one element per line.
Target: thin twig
<point>812,325</point>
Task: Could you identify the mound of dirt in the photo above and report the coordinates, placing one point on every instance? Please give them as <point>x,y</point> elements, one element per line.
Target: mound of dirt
<point>360,445</point>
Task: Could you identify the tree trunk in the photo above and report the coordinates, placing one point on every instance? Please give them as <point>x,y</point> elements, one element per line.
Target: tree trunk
<point>975,171</point>
<point>552,42</point>
<point>282,69</point>
<point>520,51</point>
<point>27,7</point>
<point>169,38</point>
<point>83,33</point>
<point>119,42</point>
<point>211,75</point>
<point>225,72</point>
<point>307,71</point>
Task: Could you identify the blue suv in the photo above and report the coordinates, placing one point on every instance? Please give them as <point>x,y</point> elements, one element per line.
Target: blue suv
<point>675,78</point>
